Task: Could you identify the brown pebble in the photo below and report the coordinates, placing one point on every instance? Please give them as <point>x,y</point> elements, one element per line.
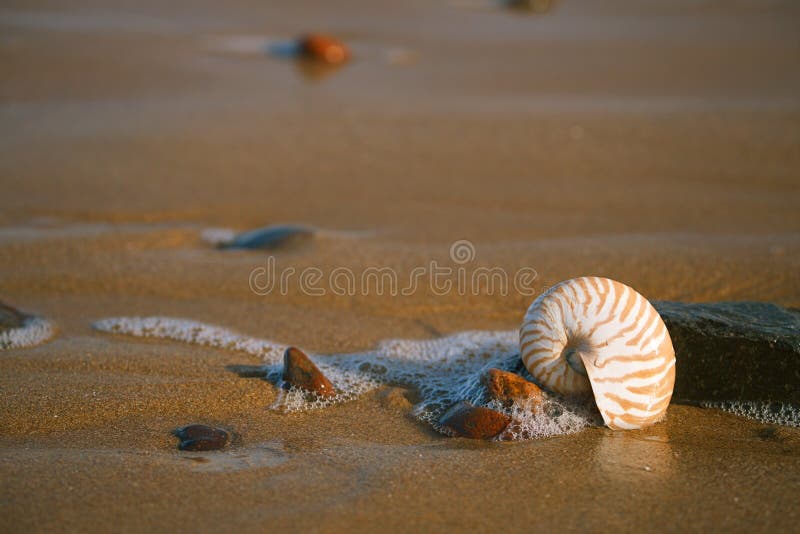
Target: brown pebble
<point>324,48</point>
<point>201,438</point>
<point>476,422</point>
<point>300,371</point>
<point>10,317</point>
<point>508,387</point>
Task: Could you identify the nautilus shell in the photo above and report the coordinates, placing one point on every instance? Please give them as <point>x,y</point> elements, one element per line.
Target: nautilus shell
<point>596,335</point>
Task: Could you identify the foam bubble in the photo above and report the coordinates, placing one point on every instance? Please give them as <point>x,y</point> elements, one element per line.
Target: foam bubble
<point>33,331</point>
<point>218,236</point>
<point>778,413</point>
<point>191,332</point>
<point>555,416</point>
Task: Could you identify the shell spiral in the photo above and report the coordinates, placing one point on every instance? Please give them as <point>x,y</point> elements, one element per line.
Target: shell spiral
<point>595,334</point>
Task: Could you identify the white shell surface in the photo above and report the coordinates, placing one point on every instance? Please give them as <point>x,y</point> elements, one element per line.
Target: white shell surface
<point>595,334</point>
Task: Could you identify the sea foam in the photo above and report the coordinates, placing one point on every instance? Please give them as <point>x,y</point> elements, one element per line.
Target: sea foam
<point>442,371</point>
<point>777,413</point>
<point>33,331</point>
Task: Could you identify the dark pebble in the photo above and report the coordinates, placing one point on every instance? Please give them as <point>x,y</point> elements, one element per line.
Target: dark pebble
<point>272,237</point>
<point>201,438</point>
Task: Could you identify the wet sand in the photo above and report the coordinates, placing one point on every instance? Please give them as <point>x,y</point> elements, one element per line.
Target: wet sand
<point>656,145</point>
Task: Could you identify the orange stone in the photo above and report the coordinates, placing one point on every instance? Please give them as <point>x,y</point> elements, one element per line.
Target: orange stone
<point>300,371</point>
<point>507,388</point>
<point>324,48</point>
<point>476,422</point>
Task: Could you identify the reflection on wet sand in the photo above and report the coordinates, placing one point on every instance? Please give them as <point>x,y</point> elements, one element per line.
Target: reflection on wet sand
<point>268,454</point>
<point>644,455</point>
<point>315,71</point>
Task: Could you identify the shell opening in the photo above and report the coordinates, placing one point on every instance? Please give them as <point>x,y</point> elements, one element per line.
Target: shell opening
<point>573,357</point>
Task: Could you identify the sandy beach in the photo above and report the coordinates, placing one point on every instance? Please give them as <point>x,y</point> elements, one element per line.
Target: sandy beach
<point>657,144</point>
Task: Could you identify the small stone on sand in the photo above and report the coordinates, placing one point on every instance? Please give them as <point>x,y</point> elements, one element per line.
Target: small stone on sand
<point>476,422</point>
<point>271,237</point>
<point>509,388</point>
<point>300,371</point>
<point>324,48</point>
<point>201,438</point>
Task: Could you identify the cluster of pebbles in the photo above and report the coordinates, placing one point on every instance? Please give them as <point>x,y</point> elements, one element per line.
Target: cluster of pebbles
<point>461,420</point>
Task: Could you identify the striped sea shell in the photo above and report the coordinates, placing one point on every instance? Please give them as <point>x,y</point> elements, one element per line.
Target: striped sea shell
<point>595,334</point>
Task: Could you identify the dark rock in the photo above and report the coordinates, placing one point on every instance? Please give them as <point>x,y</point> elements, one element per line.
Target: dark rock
<point>300,371</point>
<point>272,237</point>
<point>476,422</point>
<point>509,388</point>
<point>201,438</point>
<point>743,351</point>
<point>10,317</point>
